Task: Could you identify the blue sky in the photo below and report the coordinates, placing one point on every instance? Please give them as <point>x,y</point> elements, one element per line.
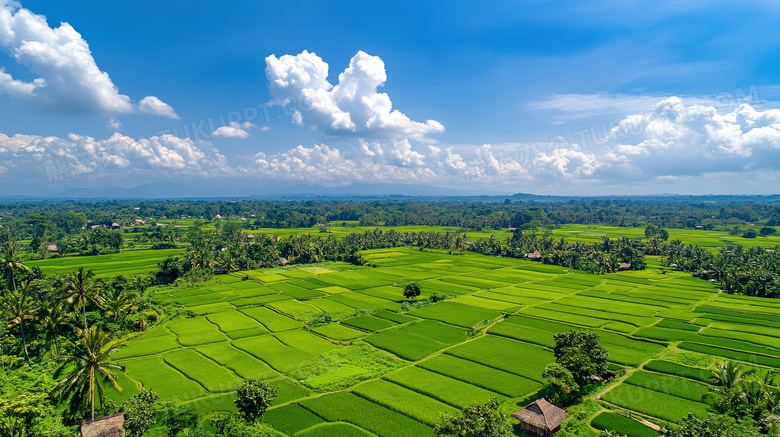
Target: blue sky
<point>552,98</point>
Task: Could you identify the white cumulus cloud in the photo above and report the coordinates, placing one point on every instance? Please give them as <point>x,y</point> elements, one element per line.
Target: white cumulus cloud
<point>154,106</point>
<point>234,130</point>
<point>350,108</point>
<point>69,79</point>
<point>54,158</point>
<point>693,140</point>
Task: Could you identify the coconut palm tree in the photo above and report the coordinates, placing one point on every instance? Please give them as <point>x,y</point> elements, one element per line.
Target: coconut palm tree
<point>55,317</point>
<point>82,288</point>
<point>89,360</point>
<point>11,261</point>
<point>726,380</point>
<point>20,305</point>
<point>119,303</point>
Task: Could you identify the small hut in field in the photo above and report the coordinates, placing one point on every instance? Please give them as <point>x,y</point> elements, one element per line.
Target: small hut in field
<point>261,264</point>
<point>533,256</point>
<point>283,261</point>
<point>540,418</point>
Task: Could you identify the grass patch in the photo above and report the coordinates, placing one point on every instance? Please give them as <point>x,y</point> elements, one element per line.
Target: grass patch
<point>404,401</point>
<point>454,314</point>
<point>272,320</point>
<point>347,407</point>
<point>451,391</point>
<point>655,404</point>
<point>159,377</point>
<point>499,381</point>
<point>368,323</point>
<point>291,418</point>
<point>510,356</point>
<point>229,321</point>
<point>670,368</point>
<point>195,331</point>
<point>243,364</point>
<point>338,332</point>
<point>622,425</point>
<point>210,375</point>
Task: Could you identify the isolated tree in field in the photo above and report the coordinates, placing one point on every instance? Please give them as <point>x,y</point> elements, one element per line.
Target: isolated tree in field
<point>254,397</point>
<point>561,383</point>
<point>412,290</point>
<point>89,361</point>
<point>140,412</point>
<point>11,261</point>
<point>581,354</point>
<point>19,306</point>
<point>475,421</point>
<point>82,288</point>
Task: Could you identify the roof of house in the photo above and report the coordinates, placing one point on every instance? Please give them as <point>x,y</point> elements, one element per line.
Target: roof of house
<point>541,414</point>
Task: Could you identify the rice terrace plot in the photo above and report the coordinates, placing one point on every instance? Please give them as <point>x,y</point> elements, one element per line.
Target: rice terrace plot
<point>382,369</point>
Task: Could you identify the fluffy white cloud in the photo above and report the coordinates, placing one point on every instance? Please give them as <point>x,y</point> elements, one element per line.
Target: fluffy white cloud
<point>234,130</point>
<point>154,106</point>
<point>69,79</point>
<point>692,140</point>
<point>62,158</point>
<point>351,108</point>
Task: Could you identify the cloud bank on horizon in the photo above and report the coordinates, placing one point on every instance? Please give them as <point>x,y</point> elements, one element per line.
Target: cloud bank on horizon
<point>69,80</point>
<point>679,141</point>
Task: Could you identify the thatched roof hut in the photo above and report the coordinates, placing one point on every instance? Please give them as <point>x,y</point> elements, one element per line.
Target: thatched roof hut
<point>540,418</point>
<point>535,256</point>
<point>262,264</point>
<point>283,261</point>
<point>624,266</point>
<point>52,248</point>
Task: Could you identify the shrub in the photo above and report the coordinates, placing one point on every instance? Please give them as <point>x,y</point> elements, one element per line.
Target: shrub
<point>254,397</point>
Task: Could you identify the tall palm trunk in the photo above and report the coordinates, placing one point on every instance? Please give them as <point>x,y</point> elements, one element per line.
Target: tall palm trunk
<point>13,279</point>
<point>24,341</point>
<point>92,401</point>
<point>84,311</point>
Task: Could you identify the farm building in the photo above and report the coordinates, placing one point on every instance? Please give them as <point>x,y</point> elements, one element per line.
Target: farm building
<point>540,418</point>
<point>535,256</point>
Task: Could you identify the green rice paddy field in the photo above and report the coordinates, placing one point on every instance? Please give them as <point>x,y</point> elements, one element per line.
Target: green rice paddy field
<point>145,261</point>
<point>379,370</point>
<point>123,263</point>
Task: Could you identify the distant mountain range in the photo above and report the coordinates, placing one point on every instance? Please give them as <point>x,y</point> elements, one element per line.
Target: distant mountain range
<point>252,189</point>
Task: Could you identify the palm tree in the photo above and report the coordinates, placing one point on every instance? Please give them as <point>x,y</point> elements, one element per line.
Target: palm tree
<point>20,305</point>
<point>91,367</point>
<point>11,260</point>
<point>726,380</point>
<point>119,303</point>
<point>82,288</point>
<point>55,317</point>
